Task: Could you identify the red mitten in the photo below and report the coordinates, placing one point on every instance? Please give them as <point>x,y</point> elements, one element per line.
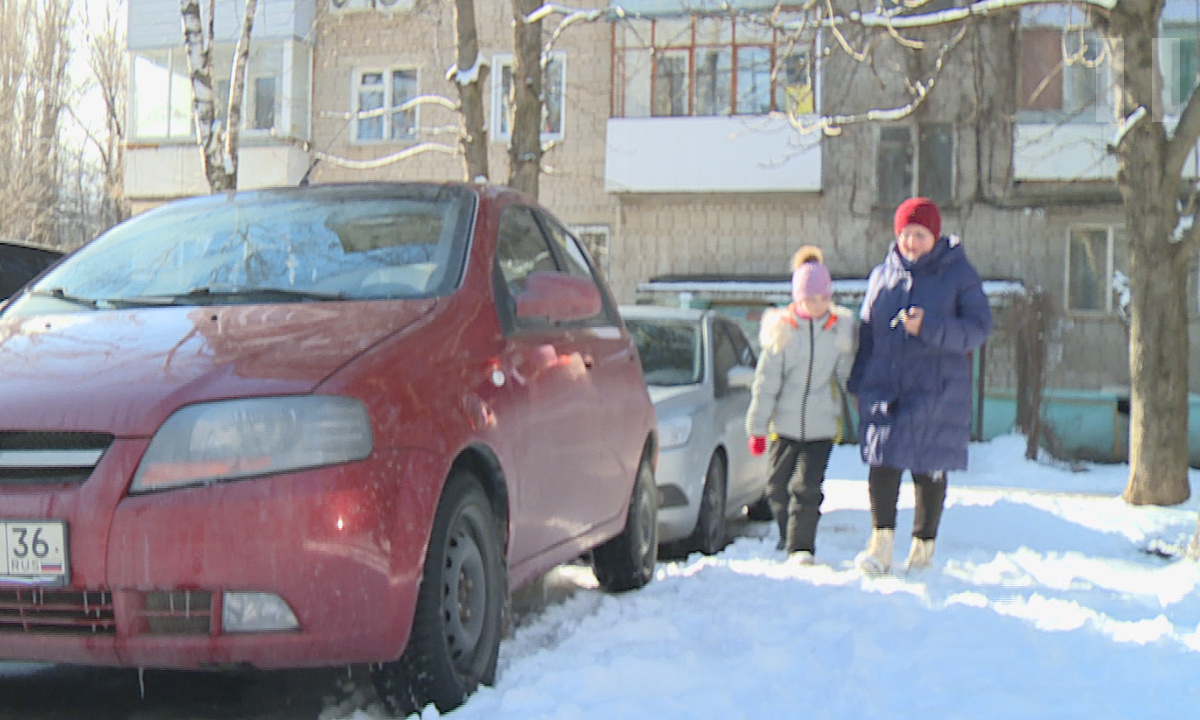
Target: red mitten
<point>758,445</point>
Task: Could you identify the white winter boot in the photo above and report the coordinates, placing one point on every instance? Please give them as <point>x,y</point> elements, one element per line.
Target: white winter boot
<point>920,555</point>
<point>877,558</point>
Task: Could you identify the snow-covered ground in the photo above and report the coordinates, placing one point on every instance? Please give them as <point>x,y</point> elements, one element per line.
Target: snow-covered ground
<point>1049,598</point>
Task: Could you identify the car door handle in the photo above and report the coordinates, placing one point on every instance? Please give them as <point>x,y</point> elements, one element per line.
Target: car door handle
<point>588,360</point>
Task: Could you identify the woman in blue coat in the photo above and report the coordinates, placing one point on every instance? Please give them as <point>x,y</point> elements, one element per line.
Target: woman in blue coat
<point>924,312</point>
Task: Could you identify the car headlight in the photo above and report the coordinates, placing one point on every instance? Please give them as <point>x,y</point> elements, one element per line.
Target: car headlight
<point>674,431</point>
<point>232,439</point>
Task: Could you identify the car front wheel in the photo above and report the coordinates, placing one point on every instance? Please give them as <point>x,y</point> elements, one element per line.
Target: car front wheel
<point>626,562</point>
<point>709,535</point>
<point>458,621</point>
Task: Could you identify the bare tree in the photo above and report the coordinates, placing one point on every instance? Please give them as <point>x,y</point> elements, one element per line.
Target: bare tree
<point>219,143</point>
<point>34,90</point>
<point>106,62</point>
<point>527,102</point>
<point>469,74</point>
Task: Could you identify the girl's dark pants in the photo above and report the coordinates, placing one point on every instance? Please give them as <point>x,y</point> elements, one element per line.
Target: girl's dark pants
<point>794,489</point>
<point>883,485</point>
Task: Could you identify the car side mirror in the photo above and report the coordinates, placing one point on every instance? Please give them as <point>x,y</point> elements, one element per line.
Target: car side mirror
<point>558,297</point>
<point>740,376</point>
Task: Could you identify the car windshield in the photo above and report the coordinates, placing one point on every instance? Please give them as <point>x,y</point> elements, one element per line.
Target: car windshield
<point>337,242</point>
<point>670,350</point>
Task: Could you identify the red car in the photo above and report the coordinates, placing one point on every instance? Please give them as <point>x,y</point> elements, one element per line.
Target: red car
<point>316,426</point>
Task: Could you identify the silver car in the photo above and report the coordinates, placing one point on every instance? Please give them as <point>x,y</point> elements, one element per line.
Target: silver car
<point>698,367</point>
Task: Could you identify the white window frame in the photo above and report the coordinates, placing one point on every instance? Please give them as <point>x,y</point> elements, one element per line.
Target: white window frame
<point>1111,232</point>
<point>388,107</point>
<point>500,132</point>
<point>179,86</point>
<point>604,231</point>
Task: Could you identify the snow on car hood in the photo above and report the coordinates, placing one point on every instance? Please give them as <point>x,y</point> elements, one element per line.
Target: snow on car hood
<point>125,371</point>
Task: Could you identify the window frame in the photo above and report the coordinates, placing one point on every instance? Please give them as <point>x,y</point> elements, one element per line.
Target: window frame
<point>1070,77</point>
<point>389,106</point>
<point>502,62</point>
<point>259,66</point>
<point>639,45</point>
<point>603,233</point>
<point>915,153</point>
<point>1111,238</point>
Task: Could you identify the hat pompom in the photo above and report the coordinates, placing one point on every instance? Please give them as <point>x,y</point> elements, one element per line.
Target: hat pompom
<point>807,253</point>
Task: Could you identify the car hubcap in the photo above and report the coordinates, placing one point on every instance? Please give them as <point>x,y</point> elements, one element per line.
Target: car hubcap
<point>464,593</point>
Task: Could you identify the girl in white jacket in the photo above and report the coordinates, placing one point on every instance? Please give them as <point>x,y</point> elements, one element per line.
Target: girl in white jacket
<point>807,351</point>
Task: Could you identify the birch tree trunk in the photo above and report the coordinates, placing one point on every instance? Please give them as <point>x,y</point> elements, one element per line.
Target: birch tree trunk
<point>219,145</point>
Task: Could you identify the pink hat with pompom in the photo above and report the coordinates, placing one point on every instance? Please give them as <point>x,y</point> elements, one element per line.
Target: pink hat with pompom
<point>811,279</point>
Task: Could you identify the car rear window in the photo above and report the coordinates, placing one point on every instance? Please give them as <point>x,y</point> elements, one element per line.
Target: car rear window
<point>670,350</point>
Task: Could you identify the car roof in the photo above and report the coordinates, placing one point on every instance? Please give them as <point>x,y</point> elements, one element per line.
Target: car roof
<point>663,312</point>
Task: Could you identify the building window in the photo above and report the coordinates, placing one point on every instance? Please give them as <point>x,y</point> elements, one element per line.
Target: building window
<point>916,160</point>
<point>708,65</point>
<point>554,90</point>
<point>263,101</point>
<point>162,96</point>
<point>1179,60</point>
<point>595,239</point>
<point>379,101</point>
<point>162,91</point>
<point>1064,74</point>
<point>1094,253</point>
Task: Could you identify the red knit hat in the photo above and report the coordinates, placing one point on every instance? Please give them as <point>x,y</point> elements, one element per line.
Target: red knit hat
<point>918,211</point>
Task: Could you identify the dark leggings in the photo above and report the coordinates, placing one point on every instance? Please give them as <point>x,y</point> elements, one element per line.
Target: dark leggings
<point>883,484</point>
<point>794,489</point>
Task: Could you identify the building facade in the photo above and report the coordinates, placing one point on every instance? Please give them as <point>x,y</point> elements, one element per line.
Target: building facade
<point>680,142</point>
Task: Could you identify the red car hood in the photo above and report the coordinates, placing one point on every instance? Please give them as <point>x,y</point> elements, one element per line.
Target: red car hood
<point>124,371</point>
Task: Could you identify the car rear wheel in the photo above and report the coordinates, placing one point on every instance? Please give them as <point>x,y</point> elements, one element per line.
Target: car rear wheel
<point>709,535</point>
<point>626,562</point>
<point>459,617</point>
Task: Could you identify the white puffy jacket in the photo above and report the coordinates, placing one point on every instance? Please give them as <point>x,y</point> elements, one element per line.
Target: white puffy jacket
<point>801,374</point>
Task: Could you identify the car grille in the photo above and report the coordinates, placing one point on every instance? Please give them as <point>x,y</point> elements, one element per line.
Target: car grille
<point>28,458</point>
<point>56,612</point>
<point>183,612</point>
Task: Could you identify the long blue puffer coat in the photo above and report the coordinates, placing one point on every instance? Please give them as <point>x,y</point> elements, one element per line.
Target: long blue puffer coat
<point>914,393</point>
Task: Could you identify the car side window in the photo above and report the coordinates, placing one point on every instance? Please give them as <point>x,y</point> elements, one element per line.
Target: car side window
<point>575,261</point>
<point>725,357</point>
<point>521,248</point>
<point>744,350</point>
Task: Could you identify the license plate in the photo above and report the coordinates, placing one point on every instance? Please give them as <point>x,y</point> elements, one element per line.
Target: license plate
<point>35,551</point>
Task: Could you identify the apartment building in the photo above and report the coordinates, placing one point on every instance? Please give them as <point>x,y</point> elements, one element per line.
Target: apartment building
<point>680,142</point>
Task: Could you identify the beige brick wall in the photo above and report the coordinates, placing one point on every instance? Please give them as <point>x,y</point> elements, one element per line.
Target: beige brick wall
<point>573,184</point>
<point>737,234</point>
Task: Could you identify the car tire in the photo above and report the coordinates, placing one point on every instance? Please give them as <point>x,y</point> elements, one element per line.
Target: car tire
<point>459,618</point>
<point>709,536</point>
<point>760,510</point>
<point>626,562</point>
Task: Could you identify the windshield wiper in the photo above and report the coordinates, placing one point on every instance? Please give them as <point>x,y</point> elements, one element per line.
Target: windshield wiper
<point>255,292</point>
<point>59,294</point>
<point>210,293</point>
